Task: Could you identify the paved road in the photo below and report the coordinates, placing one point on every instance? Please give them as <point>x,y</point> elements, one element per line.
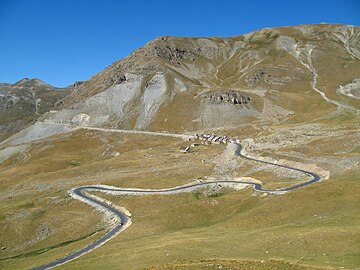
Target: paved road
<point>313,176</point>
<point>142,132</point>
<point>124,131</point>
<point>123,220</point>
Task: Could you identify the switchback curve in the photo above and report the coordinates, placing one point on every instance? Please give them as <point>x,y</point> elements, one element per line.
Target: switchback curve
<point>123,220</point>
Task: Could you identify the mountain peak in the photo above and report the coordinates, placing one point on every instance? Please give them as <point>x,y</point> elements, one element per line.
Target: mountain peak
<point>26,82</point>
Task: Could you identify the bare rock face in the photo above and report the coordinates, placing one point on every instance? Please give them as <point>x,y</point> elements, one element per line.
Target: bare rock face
<point>228,97</point>
<point>113,79</point>
<point>80,119</point>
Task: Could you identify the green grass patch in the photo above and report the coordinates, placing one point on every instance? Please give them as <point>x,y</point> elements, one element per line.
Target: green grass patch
<point>26,205</point>
<point>197,195</point>
<point>2,217</point>
<point>215,195</point>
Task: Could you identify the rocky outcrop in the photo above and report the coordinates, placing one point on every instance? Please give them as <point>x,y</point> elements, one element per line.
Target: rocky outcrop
<point>78,86</point>
<point>7,100</point>
<point>80,119</point>
<point>351,89</point>
<point>173,54</point>
<point>113,79</point>
<point>228,97</point>
<point>259,76</point>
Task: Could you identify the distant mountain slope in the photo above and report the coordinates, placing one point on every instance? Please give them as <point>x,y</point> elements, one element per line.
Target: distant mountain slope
<point>23,102</point>
<point>171,81</point>
<point>274,75</point>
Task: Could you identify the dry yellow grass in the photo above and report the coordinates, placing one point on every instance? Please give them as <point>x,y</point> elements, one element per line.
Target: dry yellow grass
<point>232,265</point>
<point>317,225</point>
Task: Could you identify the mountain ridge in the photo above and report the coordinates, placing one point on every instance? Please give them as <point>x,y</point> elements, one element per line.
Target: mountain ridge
<point>201,64</point>
<point>280,71</point>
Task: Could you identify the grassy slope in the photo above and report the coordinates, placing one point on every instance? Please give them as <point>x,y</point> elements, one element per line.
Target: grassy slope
<point>231,264</point>
<point>295,227</point>
<point>299,227</point>
<point>317,225</point>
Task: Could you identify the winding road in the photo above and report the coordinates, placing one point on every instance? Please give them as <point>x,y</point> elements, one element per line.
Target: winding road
<point>123,220</point>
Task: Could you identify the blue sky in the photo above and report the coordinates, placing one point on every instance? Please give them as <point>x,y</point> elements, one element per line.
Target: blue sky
<point>64,41</point>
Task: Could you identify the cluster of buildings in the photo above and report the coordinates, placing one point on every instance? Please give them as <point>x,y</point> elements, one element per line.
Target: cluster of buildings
<point>206,140</point>
<point>211,138</point>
